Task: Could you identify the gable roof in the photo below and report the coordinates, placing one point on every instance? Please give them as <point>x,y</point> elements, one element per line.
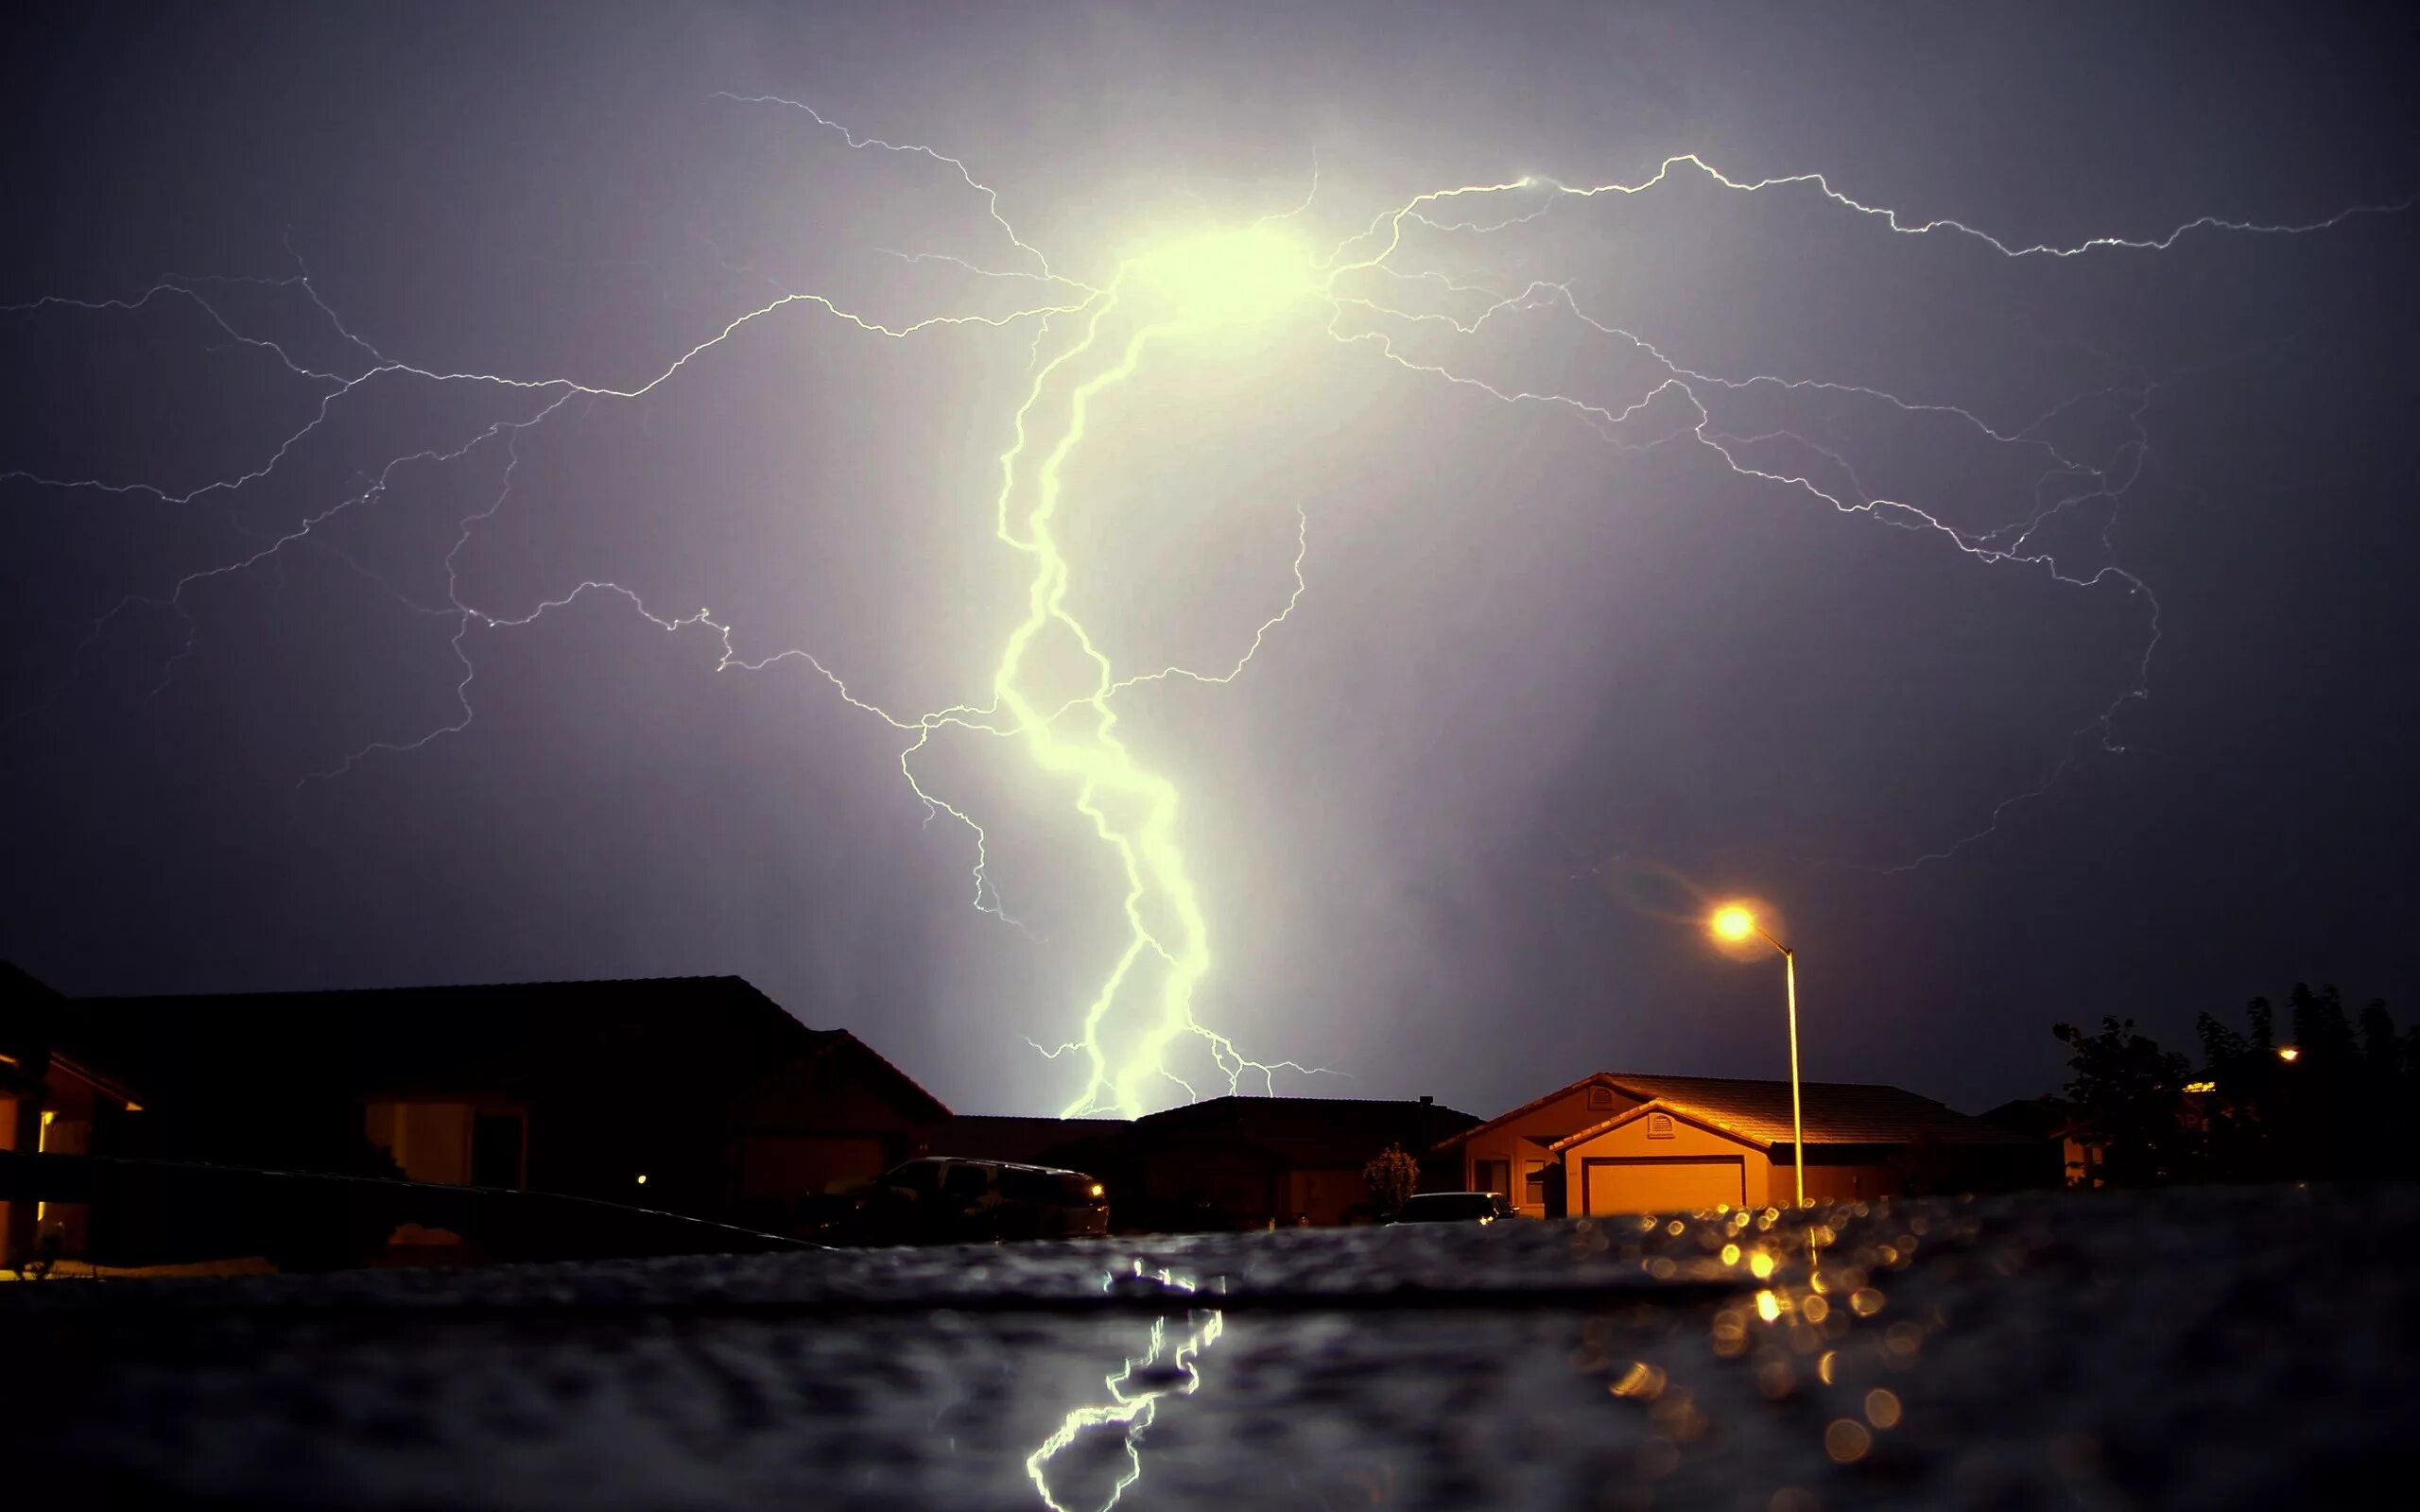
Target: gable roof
<point>1312,1132</point>
<point>1757,1112</point>
<point>1834,1112</point>
<point>836,1058</point>
<point>498,1037</point>
<point>1655,1105</point>
<point>1598,1078</point>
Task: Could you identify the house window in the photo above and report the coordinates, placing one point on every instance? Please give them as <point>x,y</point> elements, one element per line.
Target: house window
<point>1492,1176</point>
<point>1533,1182</point>
<point>1600,1097</point>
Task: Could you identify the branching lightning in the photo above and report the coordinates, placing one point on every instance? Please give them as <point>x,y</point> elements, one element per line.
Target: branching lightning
<point>1086,339</point>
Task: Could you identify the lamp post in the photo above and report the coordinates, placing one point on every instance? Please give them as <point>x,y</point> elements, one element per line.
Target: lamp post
<point>1734,923</point>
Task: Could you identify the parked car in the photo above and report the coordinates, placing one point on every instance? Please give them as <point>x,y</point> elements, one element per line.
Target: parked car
<point>1453,1207</point>
<point>944,1199</point>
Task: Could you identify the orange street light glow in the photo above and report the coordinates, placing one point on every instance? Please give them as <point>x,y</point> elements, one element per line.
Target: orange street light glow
<point>2287,1052</point>
<point>1734,922</point>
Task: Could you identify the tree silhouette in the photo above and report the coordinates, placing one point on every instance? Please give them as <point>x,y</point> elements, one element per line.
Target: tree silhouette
<point>1392,1174</point>
<point>2132,1095</point>
<point>2322,1104</point>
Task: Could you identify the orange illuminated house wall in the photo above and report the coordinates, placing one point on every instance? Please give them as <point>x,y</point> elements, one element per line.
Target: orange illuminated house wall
<point>1501,1155</point>
<point>68,1110</point>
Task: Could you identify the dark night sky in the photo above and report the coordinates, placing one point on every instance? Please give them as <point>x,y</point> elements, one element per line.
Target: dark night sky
<point>1538,687</point>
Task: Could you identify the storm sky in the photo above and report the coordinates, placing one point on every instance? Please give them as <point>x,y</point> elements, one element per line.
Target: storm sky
<point>1552,681</point>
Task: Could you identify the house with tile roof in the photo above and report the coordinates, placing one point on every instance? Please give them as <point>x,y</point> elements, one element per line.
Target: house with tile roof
<point>1627,1142</point>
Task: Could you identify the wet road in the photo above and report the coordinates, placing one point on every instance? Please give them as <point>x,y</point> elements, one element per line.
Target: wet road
<point>2210,1348</point>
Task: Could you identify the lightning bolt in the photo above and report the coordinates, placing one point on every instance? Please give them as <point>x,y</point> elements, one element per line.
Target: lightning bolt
<point>1087,340</point>
<point>1133,809</point>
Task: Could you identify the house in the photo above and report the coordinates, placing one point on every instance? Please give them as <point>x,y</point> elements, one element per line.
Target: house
<point>1622,1142</point>
<point>1245,1162</point>
<point>1230,1162</point>
<point>2083,1151</point>
<point>693,1095</point>
<point>50,1103</point>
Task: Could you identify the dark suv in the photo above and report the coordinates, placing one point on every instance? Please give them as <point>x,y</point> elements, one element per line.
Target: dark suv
<point>1454,1207</point>
<point>944,1199</point>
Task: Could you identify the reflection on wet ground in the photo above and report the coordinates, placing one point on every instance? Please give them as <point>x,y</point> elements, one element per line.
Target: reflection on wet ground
<point>2247,1347</point>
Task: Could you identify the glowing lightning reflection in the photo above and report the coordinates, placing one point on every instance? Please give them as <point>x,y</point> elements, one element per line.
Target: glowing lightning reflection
<point>1135,1391</point>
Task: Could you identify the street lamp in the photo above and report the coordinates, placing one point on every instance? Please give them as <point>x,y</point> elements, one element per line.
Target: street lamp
<point>1736,923</point>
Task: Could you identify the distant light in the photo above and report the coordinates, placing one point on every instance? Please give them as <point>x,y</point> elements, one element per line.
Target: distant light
<point>1095,1187</point>
<point>1734,922</point>
<point>2288,1053</point>
<point>642,1179</point>
<point>2206,1086</point>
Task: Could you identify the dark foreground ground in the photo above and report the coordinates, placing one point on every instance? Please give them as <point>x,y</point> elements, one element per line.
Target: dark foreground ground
<point>2253,1348</point>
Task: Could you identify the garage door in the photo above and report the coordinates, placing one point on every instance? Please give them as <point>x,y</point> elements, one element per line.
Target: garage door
<point>1669,1184</point>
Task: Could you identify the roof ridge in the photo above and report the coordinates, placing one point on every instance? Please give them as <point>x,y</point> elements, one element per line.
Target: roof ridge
<point>1759,1081</point>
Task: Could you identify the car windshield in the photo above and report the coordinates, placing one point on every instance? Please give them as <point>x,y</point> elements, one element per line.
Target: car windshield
<point>920,1175</point>
<point>1447,1207</point>
<point>1046,1186</point>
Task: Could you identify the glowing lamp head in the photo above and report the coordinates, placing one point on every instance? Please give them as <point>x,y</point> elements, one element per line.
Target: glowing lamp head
<point>2287,1053</point>
<point>1229,276</point>
<point>1734,922</point>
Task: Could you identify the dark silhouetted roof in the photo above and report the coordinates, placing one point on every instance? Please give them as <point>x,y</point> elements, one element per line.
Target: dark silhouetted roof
<point>2041,1117</point>
<point>502,1037</point>
<point>1313,1132</point>
<point>1002,1137</point>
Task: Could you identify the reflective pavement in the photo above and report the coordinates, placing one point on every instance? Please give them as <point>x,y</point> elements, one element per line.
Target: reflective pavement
<point>2202,1348</point>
